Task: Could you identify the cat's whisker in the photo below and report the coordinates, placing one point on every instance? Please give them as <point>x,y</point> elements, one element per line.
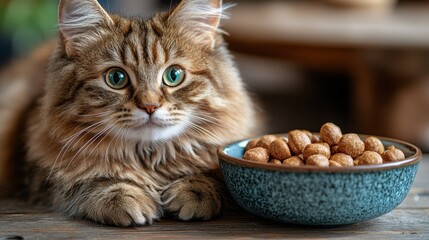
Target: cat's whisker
<point>85,129</point>
<point>101,114</point>
<point>208,122</point>
<point>87,144</point>
<point>119,141</point>
<point>74,141</point>
<point>71,141</point>
<point>105,135</point>
<point>123,140</point>
<point>206,132</point>
<point>201,114</point>
<point>204,119</point>
<point>203,129</point>
<point>92,129</point>
<point>111,141</point>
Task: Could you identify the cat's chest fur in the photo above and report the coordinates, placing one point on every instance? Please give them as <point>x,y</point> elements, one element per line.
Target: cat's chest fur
<point>156,163</point>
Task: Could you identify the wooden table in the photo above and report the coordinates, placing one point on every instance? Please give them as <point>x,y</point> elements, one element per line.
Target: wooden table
<point>409,221</point>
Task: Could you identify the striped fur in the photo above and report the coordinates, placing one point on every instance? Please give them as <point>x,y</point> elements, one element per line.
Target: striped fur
<point>92,147</point>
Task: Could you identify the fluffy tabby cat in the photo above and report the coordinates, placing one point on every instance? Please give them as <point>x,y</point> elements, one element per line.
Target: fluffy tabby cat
<point>131,114</point>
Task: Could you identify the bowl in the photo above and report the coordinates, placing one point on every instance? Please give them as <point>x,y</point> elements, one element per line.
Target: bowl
<point>311,195</point>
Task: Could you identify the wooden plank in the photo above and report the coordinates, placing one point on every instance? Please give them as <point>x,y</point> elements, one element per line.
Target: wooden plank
<point>401,223</point>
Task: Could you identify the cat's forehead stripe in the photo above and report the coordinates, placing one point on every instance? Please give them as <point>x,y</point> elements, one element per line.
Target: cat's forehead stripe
<point>142,46</point>
<point>145,42</point>
<point>155,50</point>
<point>155,26</point>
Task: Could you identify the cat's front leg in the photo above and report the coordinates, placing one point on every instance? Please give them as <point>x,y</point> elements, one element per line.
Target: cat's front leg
<point>112,201</point>
<point>193,197</point>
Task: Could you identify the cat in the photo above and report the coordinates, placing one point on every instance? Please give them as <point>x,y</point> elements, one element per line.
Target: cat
<point>126,127</point>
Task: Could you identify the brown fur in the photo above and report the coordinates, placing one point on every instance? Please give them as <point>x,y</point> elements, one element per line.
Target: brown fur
<point>87,143</point>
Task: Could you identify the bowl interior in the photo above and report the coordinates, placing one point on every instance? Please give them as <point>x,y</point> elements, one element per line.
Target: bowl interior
<point>233,153</point>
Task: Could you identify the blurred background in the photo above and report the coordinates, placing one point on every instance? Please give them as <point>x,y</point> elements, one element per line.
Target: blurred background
<point>362,64</point>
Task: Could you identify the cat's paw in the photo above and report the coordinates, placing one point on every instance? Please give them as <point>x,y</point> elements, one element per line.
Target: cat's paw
<point>123,205</point>
<point>195,197</point>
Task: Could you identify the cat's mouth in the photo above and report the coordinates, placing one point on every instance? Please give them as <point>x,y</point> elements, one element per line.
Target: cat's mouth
<point>154,123</point>
<point>153,129</point>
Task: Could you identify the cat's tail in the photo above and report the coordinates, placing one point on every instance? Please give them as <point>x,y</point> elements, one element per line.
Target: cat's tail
<point>20,83</point>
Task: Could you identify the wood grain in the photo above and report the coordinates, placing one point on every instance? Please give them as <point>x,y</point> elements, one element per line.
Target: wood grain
<point>409,221</point>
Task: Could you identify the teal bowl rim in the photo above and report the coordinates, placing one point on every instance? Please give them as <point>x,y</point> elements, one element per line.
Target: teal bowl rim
<point>413,159</point>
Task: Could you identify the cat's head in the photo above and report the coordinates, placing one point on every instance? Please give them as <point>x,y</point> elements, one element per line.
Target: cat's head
<point>149,80</point>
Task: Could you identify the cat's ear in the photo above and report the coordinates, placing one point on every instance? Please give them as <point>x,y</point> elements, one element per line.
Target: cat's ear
<point>199,19</point>
<point>77,18</point>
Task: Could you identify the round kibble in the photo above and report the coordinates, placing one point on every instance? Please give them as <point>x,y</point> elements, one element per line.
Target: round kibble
<point>317,160</point>
<point>343,160</point>
<point>393,154</point>
<point>265,141</point>
<point>275,161</point>
<point>293,162</point>
<point>257,154</point>
<point>313,138</point>
<point>374,144</point>
<point>330,133</point>
<point>252,144</point>
<point>369,158</point>
<point>279,149</point>
<point>317,148</point>
<point>391,147</point>
<point>334,150</point>
<point>298,140</point>
<point>351,144</point>
<point>334,164</point>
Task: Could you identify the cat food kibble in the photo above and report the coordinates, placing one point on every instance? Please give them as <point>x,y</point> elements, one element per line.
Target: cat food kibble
<point>298,140</point>
<point>293,162</point>
<point>392,154</point>
<point>351,144</point>
<point>369,158</point>
<point>330,133</point>
<point>332,149</point>
<point>265,141</point>
<point>317,148</point>
<point>334,164</point>
<point>342,159</point>
<point>374,144</point>
<point>257,154</point>
<point>279,149</point>
<point>317,160</point>
<point>313,138</point>
<point>252,144</point>
<point>275,161</point>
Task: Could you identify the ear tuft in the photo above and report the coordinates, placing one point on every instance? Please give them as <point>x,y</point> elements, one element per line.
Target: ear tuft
<point>199,19</point>
<point>76,18</point>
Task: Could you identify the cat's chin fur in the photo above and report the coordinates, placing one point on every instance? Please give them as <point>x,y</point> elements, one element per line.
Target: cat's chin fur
<point>151,133</point>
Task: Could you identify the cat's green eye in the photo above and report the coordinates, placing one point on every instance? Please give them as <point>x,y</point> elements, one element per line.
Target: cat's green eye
<point>173,76</point>
<point>116,78</point>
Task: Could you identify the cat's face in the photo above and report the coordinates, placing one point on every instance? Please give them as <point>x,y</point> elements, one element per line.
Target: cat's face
<point>148,80</point>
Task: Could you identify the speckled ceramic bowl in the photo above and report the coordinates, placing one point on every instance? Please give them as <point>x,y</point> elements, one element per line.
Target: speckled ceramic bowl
<point>318,196</point>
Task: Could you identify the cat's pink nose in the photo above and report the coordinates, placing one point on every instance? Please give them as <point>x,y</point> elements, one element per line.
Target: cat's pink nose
<point>150,109</point>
